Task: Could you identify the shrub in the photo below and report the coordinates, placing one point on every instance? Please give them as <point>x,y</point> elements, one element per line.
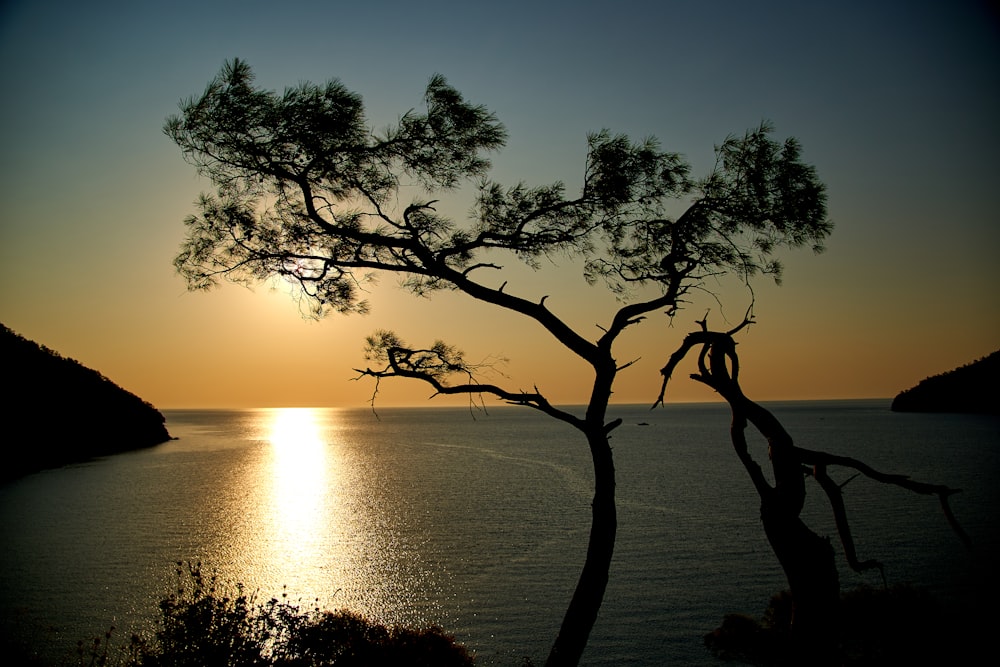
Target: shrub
<point>204,623</point>
<point>901,624</point>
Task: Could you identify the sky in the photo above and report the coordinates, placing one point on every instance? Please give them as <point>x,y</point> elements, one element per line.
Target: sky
<point>896,104</point>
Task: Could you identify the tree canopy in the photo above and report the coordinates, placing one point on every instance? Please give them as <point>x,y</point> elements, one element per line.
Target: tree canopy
<point>308,191</point>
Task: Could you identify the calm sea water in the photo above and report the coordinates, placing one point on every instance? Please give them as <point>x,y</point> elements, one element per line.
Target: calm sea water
<point>478,524</point>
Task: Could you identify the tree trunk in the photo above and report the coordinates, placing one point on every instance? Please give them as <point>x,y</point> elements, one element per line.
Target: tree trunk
<point>589,594</point>
<point>806,558</point>
<point>808,562</point>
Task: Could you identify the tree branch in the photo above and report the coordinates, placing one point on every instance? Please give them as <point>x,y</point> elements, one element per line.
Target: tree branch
<point>822,459</point>
<point>836,497</point>
<point>433,365</point>
<point>787,460</point>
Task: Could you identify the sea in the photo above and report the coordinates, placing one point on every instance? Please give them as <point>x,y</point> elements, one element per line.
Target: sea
<point>477,521</point>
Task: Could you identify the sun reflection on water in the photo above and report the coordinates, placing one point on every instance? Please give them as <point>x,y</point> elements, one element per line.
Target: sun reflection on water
<point>300,484</point>
<point>320,516</point>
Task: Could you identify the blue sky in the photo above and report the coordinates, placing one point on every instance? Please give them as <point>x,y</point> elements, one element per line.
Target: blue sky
<point>896,104</point>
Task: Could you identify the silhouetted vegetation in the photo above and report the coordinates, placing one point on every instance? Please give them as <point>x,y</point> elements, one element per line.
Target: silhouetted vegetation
<point>900,625</point>
<point>208,623</point>
<point>972,388</point>
<point>307,191</point>
<point>65,412</point>
<point>815,617</point>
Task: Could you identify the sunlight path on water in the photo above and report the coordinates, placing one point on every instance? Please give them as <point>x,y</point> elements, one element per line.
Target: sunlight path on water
<point>318,521</point>
<point>301,485</point>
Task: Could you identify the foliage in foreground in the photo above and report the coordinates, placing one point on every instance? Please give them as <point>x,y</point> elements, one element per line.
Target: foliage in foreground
<point>208,624</point>
<point>896,625</point>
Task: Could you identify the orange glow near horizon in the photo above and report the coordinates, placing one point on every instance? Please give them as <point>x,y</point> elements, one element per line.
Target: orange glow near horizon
<point>904,291</point>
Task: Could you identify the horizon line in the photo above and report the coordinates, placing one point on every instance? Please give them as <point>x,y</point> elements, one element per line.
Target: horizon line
<point>439,406</point>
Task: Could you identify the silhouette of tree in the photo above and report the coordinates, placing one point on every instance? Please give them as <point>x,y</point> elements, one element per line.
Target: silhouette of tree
<point>307,191</point>
<point>806,558</point>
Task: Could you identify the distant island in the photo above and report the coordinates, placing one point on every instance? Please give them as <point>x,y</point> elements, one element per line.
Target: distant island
<point>971,388</point>
<point>58,411</point>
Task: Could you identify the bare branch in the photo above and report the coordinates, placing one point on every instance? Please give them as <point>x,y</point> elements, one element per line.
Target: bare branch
<point>433,365</point>
<point>943,492</point>
<point>627,364</point>
<point>836,498</point>
<point>718,367</point>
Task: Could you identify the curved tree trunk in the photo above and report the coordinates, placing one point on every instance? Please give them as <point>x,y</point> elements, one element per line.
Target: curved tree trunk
<point>587,598</point>
<point>809,566</point>
<point>806,558</point>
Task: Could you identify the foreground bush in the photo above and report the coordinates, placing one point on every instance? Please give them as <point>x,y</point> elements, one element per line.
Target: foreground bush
<point>205,624</point>
<point>899,625</point>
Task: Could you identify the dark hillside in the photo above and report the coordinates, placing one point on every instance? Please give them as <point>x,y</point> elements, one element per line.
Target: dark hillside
<point>57,411</point>
<point>970,388</point>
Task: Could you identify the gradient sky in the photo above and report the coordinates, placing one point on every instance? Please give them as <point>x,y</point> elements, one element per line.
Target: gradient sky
<point>897,104</point>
